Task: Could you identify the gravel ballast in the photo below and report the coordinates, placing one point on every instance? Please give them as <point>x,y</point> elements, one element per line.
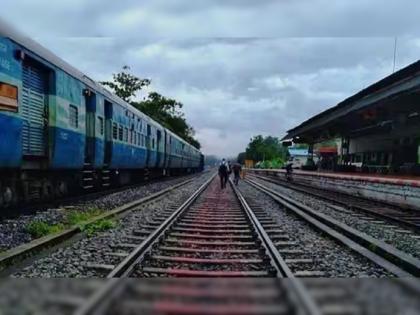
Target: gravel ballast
<point>13,232</point>
<point>330,257</point>
<point>388,232</point>
<point>74,260</point>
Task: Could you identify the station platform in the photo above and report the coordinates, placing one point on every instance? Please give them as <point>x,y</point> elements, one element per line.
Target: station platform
<point>401,190</point>
<point>402,180</point>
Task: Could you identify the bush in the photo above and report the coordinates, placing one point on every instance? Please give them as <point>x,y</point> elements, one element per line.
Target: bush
<point>39,229</point>
<point>78,217</point>
<point>276,163</point>
<point>100,226</point>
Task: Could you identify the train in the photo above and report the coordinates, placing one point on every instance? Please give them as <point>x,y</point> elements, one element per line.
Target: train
<point>60,131</point>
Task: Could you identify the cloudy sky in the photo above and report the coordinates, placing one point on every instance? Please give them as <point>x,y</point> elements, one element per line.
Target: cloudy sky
<point>241,67</point>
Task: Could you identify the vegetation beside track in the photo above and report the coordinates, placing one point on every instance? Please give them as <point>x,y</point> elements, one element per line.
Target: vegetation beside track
<point>73,218</point>
<point>100,226</point>
<point>39,229</point>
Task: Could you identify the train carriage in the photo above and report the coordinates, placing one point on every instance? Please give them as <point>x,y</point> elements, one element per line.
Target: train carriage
<point>60,130</point>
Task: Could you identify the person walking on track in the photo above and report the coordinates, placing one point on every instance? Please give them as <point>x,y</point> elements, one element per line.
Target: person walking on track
<point>223,174</point>
<point>237,168</point>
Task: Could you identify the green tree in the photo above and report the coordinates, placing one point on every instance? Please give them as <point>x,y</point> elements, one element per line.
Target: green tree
<point>265,148</point>
<point>164,110</point>
<point>168,112</point>
<point>241,158</point>
<point>125,84</point>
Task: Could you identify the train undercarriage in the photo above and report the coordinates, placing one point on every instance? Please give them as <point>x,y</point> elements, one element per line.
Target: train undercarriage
<point>26,186</point>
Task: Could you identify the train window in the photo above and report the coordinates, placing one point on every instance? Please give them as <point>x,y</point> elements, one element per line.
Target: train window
<point>114,131</point>
<point>120,133</point>
<point>126,134</point>
<point>73,116</point>
<point>101,125</point>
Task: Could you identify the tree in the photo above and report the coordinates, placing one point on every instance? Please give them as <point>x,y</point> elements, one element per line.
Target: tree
<point>125,85</point>
<point>164,110</point>
<point>241,158</point>
<point>168,112</point>
<point>265,148</point>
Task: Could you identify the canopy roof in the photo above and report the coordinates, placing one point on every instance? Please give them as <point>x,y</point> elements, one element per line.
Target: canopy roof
<point>336,120</point>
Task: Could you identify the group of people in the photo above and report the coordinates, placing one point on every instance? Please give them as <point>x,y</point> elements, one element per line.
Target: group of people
<point>225,169</point>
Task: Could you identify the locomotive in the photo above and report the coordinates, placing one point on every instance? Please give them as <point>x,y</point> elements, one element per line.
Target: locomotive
<point>60,131</point>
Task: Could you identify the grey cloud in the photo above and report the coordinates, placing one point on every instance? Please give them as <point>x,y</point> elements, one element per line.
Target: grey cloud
<point>240,88</point>
<point>185,18</point>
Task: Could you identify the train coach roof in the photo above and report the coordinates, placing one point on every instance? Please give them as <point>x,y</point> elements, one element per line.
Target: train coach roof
<point>9,32</point>
<point>174,135</point>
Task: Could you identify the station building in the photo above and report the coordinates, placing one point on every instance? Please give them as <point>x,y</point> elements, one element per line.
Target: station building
<point>377,130</point>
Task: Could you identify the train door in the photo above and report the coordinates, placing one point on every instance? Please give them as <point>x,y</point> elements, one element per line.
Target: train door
<point>34,109</point>
<point>109,134</point>
<point>169,151</point>
<point>159,149</point>
<point>165,151</point>
<point>90,101</point>
<point>148,146</point>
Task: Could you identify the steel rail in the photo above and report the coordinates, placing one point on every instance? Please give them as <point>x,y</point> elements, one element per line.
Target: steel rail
<point>99,301</point>
<point>125,268</point>
<point>377,251</point>
<point>293,186</point>
<point>282,269</point>
<point>25,250</point>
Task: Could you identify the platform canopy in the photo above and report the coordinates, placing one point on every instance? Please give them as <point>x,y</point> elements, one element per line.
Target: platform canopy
<point>393,101</point>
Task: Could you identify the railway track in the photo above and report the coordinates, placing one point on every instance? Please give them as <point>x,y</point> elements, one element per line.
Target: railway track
<point>382,254</point>
<point>20,253</point>
<point>381,210</point>
<point>212,234</point>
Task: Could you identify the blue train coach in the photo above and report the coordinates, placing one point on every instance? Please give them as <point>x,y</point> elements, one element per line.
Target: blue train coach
<point>60,130</point>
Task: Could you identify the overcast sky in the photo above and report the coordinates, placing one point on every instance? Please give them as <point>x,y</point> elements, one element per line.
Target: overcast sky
<point>241,67</point>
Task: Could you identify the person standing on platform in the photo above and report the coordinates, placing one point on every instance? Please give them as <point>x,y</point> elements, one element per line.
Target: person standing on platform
<point>223,174</point>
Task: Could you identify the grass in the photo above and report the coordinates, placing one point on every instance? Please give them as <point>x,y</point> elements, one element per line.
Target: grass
<point>80,217</point>
<point>100,226</point>
<point>39,229</point>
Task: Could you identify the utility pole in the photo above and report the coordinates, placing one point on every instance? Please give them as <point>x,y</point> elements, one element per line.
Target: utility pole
<point>395,53</point>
